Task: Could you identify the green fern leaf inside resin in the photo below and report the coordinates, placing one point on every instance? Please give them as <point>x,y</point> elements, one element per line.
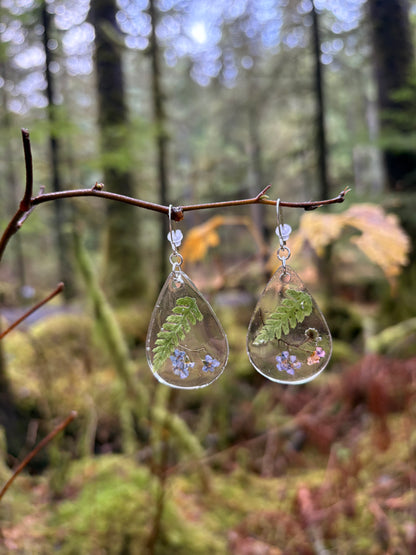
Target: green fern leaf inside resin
<point>292,311</point>
<point>185,314</point>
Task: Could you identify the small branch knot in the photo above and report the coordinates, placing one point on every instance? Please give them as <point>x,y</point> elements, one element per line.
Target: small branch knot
<point>177,213</point>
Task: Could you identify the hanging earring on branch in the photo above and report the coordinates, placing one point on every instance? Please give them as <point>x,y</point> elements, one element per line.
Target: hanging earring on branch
<point>288,339</point>
<point>186,346</point>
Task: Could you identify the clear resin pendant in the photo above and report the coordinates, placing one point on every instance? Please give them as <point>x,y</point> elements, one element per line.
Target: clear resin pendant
<point>288,338</point>
<point>186,346</point>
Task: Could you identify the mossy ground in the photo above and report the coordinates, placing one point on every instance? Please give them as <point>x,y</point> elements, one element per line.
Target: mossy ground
<point>300,470</point>
<point>355,499</point>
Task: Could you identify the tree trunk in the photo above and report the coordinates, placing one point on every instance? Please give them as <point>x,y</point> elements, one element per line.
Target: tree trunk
<point>61,212</point>
<point>256,183</point>
<point>394,64</point>
<point>160,121</point>
<point>321,142</point>
<point>323,262</point>
<point>123,272</point>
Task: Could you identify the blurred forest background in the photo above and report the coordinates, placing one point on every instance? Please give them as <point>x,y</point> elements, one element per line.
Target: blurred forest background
<point>184,102</point>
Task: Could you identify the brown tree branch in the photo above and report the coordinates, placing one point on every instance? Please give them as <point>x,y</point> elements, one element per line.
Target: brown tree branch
<point>261,198</point>
<point>27,197</point>
<point>177,212</point>
<point>97,191</point>
<point>26,202</point>
<point>36,450</point>
<point>10,230</point>
<point>55,292</point>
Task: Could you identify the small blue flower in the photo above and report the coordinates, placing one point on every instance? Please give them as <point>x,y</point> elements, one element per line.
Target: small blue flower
<point>181,363</point>
<point>288,363</point>
<point>210,364</point>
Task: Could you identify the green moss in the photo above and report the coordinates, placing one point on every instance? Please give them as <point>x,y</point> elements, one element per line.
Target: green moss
<point>113,511</point>
<point>112,503</point>
<point>397,340</point>
<point>57,350</point>
<point>342,352</point>
<point>134,320</point>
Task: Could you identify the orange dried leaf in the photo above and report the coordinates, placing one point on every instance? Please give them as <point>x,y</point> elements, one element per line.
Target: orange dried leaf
<point>382,240</point>
<point>320,229</point>
<point>200,238</point>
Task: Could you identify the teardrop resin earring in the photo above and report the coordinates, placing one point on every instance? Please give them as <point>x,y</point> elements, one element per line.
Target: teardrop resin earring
<point>288,339</point>
<point>186,346</point>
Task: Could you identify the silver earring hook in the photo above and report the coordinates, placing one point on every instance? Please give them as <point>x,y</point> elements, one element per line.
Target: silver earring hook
<point>175,237</point>
<point>170,236</point>
<point>170,217</point>
<point>279,222</point>
<point>282,231</point>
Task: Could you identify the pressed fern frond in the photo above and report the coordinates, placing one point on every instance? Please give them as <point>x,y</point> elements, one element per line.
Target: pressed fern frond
<point>293,310</point>
<point>184,315</point>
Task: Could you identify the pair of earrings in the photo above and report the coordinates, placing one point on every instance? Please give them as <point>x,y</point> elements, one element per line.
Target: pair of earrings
<point>288,339</point>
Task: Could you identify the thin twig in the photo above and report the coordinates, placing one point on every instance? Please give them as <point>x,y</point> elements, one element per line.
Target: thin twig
<point>177,213</point>
<point>262,199</point>
<point>55,292</point>
<point>98,192</point>
<point>29,211</point>
<point>27,197</point>
<point>10,230</point>
<point>26,202</point>
<point>36,450</point>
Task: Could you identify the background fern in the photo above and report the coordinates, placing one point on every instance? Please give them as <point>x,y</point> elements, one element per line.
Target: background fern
<point>185,314</point>
<point>293,310</point>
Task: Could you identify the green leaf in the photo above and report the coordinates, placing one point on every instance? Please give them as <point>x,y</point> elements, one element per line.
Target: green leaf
<point>184,315</point>
<point>292,311</point>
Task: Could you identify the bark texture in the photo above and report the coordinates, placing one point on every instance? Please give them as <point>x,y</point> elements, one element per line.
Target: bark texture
<point>394,70</point>
<point>123,270</point>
